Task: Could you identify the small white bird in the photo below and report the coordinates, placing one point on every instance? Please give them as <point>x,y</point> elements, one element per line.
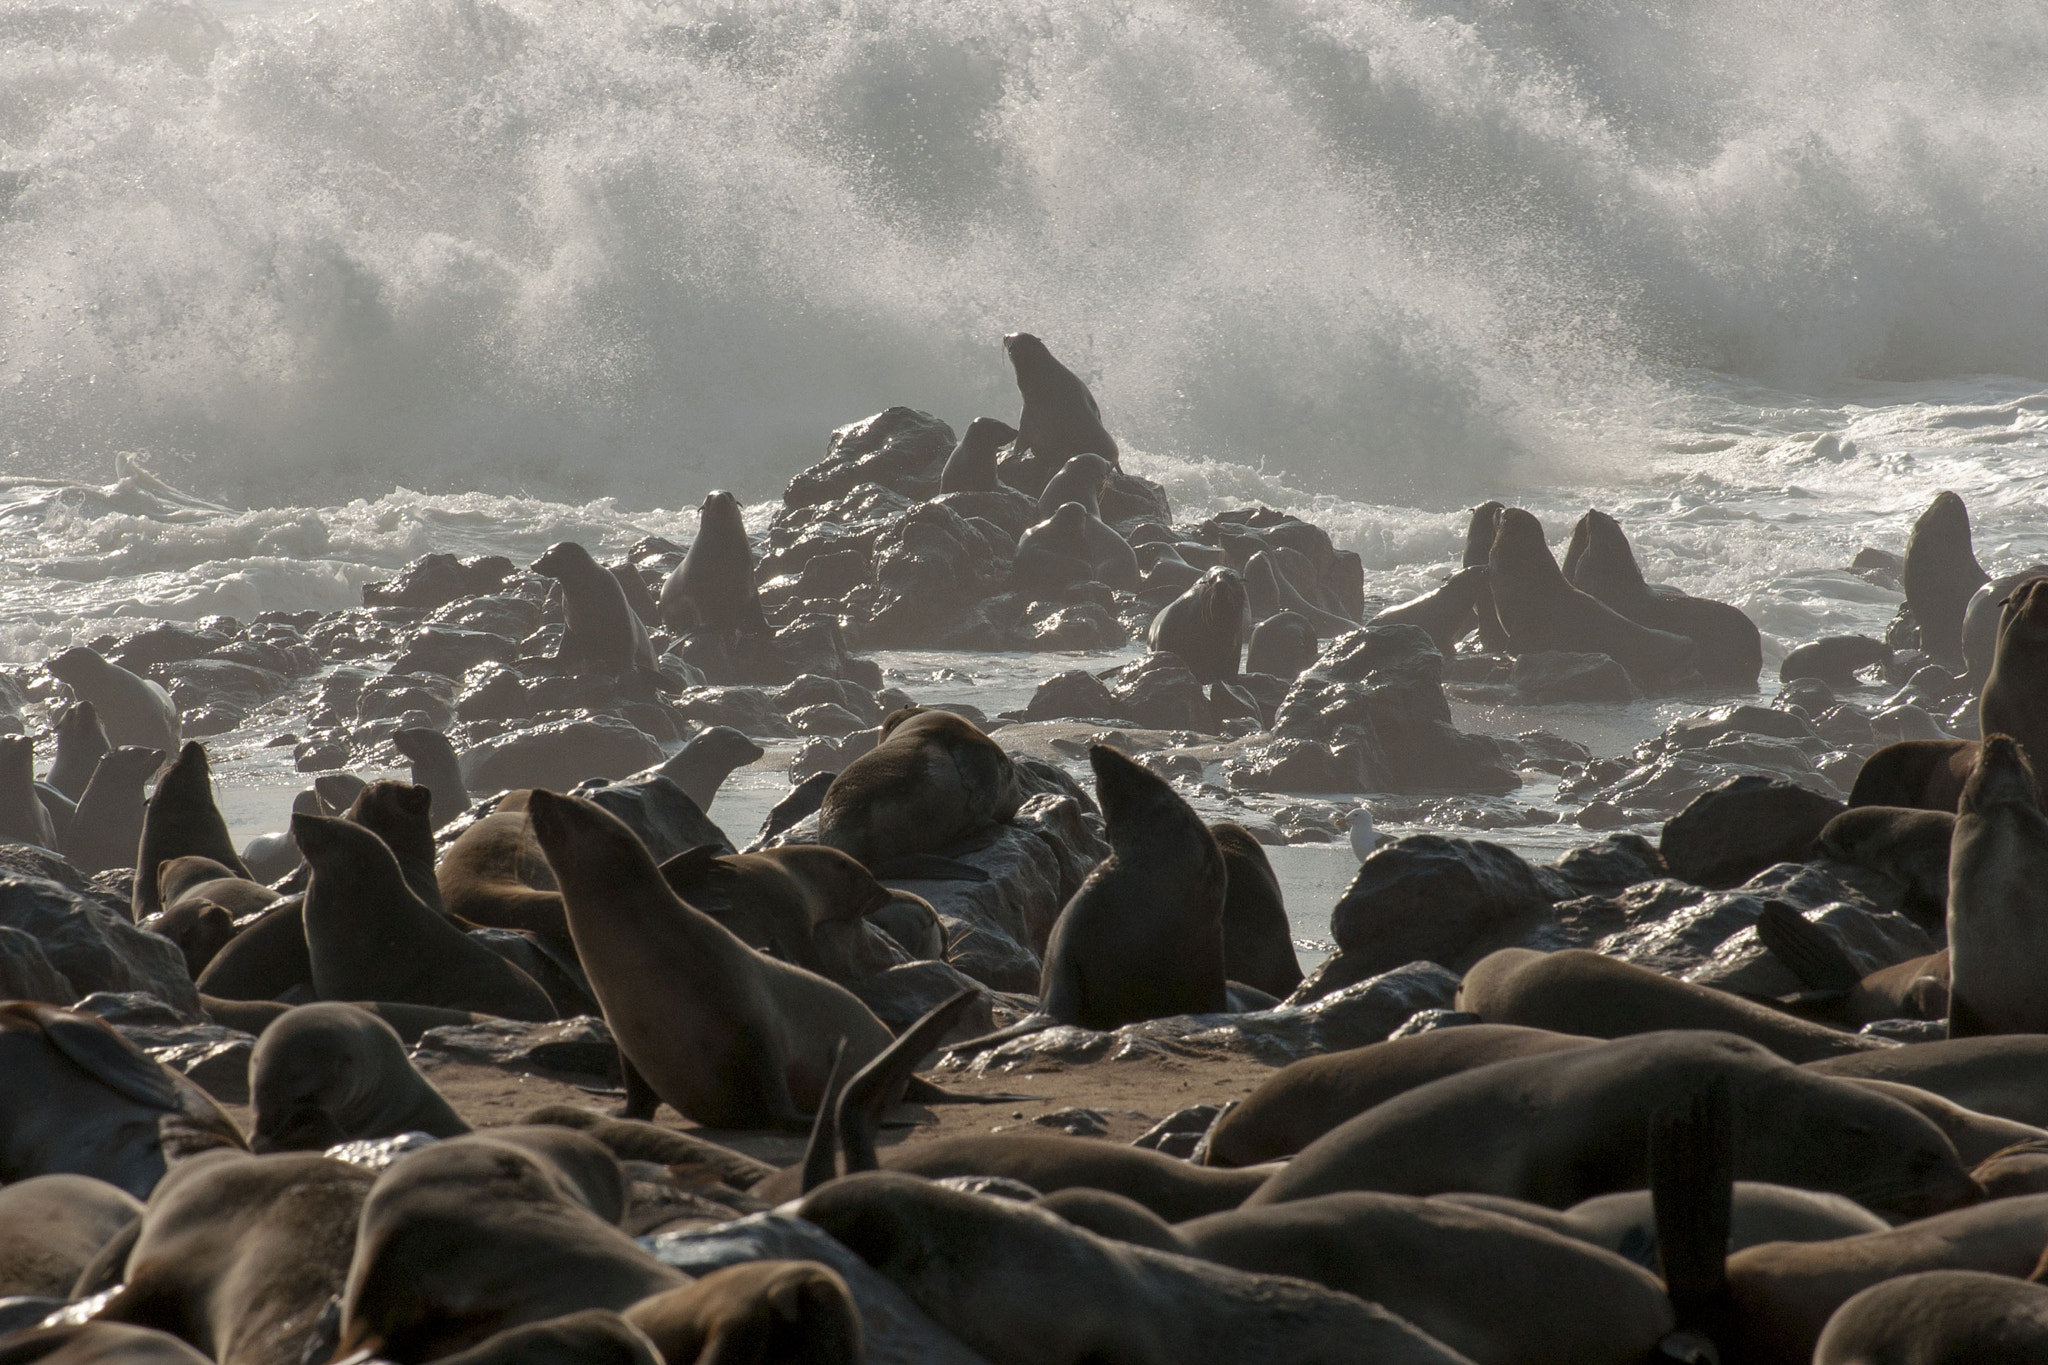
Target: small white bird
<point>1364,838</point>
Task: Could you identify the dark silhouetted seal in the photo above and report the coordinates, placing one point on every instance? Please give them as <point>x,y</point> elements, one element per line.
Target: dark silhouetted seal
<point>1258,942</point>
<point>181,819</point>
<point>1282,646</point>
<point>1941,572</point>
<point>727,1036</point>
<point>106,829</point>
<point>713,588</point>
<point>1060,417</point>
<point>435,767</point>
<point>1540,611</point>
<point>132,709</point>
<point>1449,613</point>
<point>806,903</point>
<point>1731,650</point>
<point>1079,480</point>
<point>81,739</point>
<point>593,1336</point>
<point>399,813</point>
<point>1269,590</point>
<point>24,819</point>
<point>933,780</point>
<point>706,759</point>
<point>1110,557</point>
<point>328,1073</point>
<point>1205,626</point>
<point>1998,898</point>
<point>2015,697</point>
<point>971,468</point>
<point>1909,846</point>
<point>370,937</point>
<point>1053,554</point>
<point>1922,774</point>
<point>1836,660</point>
<point>603,634</point>
<point>757,1310</point>
<point>51,1228</point>
<point>1480,533</point>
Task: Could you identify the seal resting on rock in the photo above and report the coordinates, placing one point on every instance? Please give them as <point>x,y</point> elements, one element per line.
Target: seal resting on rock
<point>713,588</point>
<point>1205,626</point>
<point>132,709</point>
<point>331,1072</point>
<point>1919,774</point>
<point>1060,417</point>
<point>1542,612</point>
<point>1079,480</point>
<point>1940,574</point>
<point>603,634</point>
<point>1731,649</point>
<point>1998,899</point>
<point>934,780</point>
<point>971,468</point>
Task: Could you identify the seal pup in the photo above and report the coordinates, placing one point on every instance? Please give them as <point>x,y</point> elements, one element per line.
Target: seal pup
<point>602,634</point>
<point>1053,554</point>
<point>985,1269</point>
<point>1836,661</point>
<point>465,1239</point>
<point>1564,1126</point>
<point>181,819</point>
<point>1939,1315</point>
<point>1909,846</point>
<point>24,819</point>
<point>1060,418</point>
<point>1940,574</point>
<point>370,937</point>
<point>1205,626</point>
<point>106,829</point>
<point>2015,697</point>
<point>132,709</point>
<point>77,1097</point>
<point>1540,611</point>
<point>713,587</point>
<point>81,739</point>
<point>330,1072</point>
<point>1998,898</point>
<point>757,1310</point>
<point>971,468</point>
<point>1258,942</point>
<point>1143,937</point>
<point>51,1228</point>
<point>1079,480</point>
<point>1731,649</point>
<point>726,1036</point>
<point>435,767</point>
<point>1919,774</point>
<point>1449,612</point>
<point>807,903</point>
<point>934,780</point>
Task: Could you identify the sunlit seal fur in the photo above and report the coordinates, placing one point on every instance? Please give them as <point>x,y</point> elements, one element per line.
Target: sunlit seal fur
<point>933,780</point>
<point>1981,623</point>
<point>1060,417</point>
<point>1730,647</point>
<point>81,739</point>
<point>1941,572</point>
<point>2015,697</point>
<point>1939,1315</point>
<point>757,1310</point>
<point>24,819</point>
<point>602,634</point>
<point>713,588</point>
<point>971,468</point>
<point>1449,613</point>
<point>1205,626</point>
<point>1541,612</point>
<point>1998,899</point>
<point>106,829</point>
<point>132,709</point>
<point>181,819</point>
<point>330,1072</point>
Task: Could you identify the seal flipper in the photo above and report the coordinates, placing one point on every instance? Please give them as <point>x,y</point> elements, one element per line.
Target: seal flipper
<point>1808,950</point>
<point>1023,1028</point>
<point>821,1153</point>
<point>641,1101</point>
<point>878,1083</point>
<point>1692,1195</point>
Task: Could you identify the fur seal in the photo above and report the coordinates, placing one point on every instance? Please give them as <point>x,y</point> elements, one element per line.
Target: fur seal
<point>328,1073</point>
<point>1731,650</point>
<point>971,468</point>
<point>24,819</point>
<point>1919,774</point>
<point>1564,1126</point>
<point>602,634</point>
<point>266,959</point>
<point>985,1269</point>
<point>933,780</point>
<point>807,903</point>
<point>1939,1315</point>
<point>713,588</point>
<point>1449,612</point>
<point>1053,554</point>
<point>181,819</point>
<point>2015,697</point>
<point>1836,661</point>
<point>1269,590</point>
<point>1626,1223</point>
<point>594,1336</point>
<point>1540,611</point>
<point>1110,556</point>
<point>179,880</point>
<point>1838,993</point>
<point>81,739</point>
<point>370,937</point>
<point>469,1238</point>
<point>399,814</point>
<point>1998,898</point>
<point>1977,1137</point>
<point>51,1228</point>
<point>1079,480</point>
<point>1940,574</point>
<point>106,829</point>
<point>1258,942</point>
<point>435,767</point>
<point>706,759</point>
<point>1205,626</point>
<point>1143,937</point>
<point>1909,846</point>
<point>76,1097</point>
<point>1060,418</point>
<point>1306,1099</point>
<point>1283,646</point>
<point>1580,992</point>
<point>1998,1075</point>
<point>96,1343</point>
<point>728,1037</point>
<point>494,875</point>
<point>1981,622</point>
<point>759,1311</point>
<point>1480,532</point>
<point>132,709</point>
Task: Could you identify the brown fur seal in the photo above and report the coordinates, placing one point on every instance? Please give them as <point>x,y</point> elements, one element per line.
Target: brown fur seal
<point>181,819</point>
<point>77,1097</point>
<point>602,634</point>
<point>713,588</point>
<point>1939,1315</point>
<point>971,468</point>
<point>1282,646</point>
<point>1977,1137</point>
<point>468,1238</point>
<point>1079,480</point>
<point>1540,611</point>
<point>1306,1099</point>
<point>369,937</point>
<point>1626,1223</point>
<point>1060,417</point>
<point>1564,1126</point>
<point>106,829</point>
<point>986,1269</point>
<point>594,1336</point>
<point>934,780</point>
<point>238,1254</point>
<point>1143,937</point>
<point>1731,649</point>
<point>202,879</point>
<point>1258,942</point>
<point>1998,899</point>
<point>24,819</point>
<point>81,739</point>
<point>399,814</point>
<point>1449,613</point>
<point>328,1073</point>
<point>1837,992</point>
<point>1920,774</point>
<point>2015,697</point>
<point>706,759</point>
<point>494,874</point>
<point>805,902</point>
<point>758,1310</point>
<point>1204,626</point>
<point>1053,554</point>
<point>728,1037</point>
<point>1909,846</point>
<point>52,1226</point>
<point>1940,574</point>
<point>1270,591</point>
<point>1581,992</point>
<point>1836,660</point>
<point>265,959</point>
<point>1480,533</point>
<point>1483,1283</point>
<point>1999,1075</point>
<point>96,1343</point>
<point>132,709</point>
<point>435,767</point>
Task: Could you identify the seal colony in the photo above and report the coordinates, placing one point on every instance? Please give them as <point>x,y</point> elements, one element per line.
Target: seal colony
<point>1752,1074</point>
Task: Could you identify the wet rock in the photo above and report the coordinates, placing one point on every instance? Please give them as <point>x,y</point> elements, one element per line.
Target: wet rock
<point>1085,626</point>
<point>95,947</point>
<point>452,651</point>
<point>943,559</point>
<point>216,1058</point>
<point>667,820</point>
<point>905,993</point>
<point>1605,867</point>
<point>1181,1132</point>
<point>33,860</point>
<point>578,1047</point>
<point>1906,1030</point>
<point>1873,939</point>
<point>1159,692</point>
<point>502,614</point>
<point>123,1008</point>
<point>901,449</point>
<point>823,754</point>
<point>1553,677</point>
<point>165,643</point>
<point>1430,1020</point>
<point>26,972</point>
<point>749,710</point>
<point>1075,1122</point>
<point>1349,761</point>
<point>1076,695</point>
<point>824,719</point>
<point>1736,830</point>
<point>1443,900</point>
<point>196,682</point>
<point>398,695</point>
<point>813,690</point>
<point>559,755</point>
<point>436,580</point>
